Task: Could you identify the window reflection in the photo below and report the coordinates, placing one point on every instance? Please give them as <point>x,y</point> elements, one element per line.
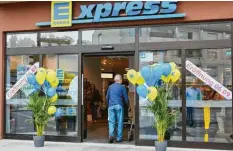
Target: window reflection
<point>201,94</point>
<point>209,31</point>
<point>67,94</point>
<point>16,111</point>
<point>108,36</point>
<point>59,38</point>
<point>146,118</point>
<point>21,40</point>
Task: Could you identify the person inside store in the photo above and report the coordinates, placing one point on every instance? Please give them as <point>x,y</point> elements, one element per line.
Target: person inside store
<point>95,102</point>
<point>193,93</point>
<point>116,94</point>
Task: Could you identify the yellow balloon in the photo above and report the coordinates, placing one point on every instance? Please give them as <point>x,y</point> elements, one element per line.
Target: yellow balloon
<point>54,83</point>
<point>51,75</point>
<point>175,75</point>
<point>173,65</point>
<point>54,98</point>
<point>40,78</point>
<point>152,93</point>
<point>132,76</point>
<point>166,79</point>
<point>41,71</point>
<point>52,110</point>
<point>139,79</point>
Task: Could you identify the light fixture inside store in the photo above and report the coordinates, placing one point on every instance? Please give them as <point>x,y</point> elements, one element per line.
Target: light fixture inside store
<point>102,69</point>
<point>207,69</point>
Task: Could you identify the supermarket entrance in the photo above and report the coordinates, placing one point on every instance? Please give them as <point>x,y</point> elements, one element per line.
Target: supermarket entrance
<point>98,75</point>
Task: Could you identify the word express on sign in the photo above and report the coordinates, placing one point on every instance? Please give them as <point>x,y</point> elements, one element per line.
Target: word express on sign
<point>61,12</point>
<point>200,74</point>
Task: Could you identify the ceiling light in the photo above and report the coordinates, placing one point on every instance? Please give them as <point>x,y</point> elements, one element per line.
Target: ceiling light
<point>207,69</point>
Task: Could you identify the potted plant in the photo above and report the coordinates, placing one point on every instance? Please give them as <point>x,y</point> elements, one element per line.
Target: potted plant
<point>164,117</point>
<point>42,100</point>
<point>154,83</point>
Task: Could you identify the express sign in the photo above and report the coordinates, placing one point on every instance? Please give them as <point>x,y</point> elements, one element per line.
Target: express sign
<point>108,12</point>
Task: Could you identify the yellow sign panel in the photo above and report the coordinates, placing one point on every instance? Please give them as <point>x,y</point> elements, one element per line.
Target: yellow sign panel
<point>61,14</point>
<point>206,138</point>
<point>207,117</point>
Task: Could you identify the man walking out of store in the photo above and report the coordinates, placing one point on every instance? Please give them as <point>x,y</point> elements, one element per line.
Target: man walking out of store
<point>116,94</point>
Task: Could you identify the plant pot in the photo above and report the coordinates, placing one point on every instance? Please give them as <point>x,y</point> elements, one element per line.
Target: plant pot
<point>161,146</point>
<point>38,141</point>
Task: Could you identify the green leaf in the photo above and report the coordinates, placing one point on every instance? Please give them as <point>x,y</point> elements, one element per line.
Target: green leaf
<point>164,117</point>
<point>39,106</point>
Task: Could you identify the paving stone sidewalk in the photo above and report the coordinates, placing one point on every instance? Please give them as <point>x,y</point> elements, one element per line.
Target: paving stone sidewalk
<point>19,145</point>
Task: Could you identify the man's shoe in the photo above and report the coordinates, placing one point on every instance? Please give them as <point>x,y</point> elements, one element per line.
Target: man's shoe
<point>119,141</point>
<point>111,139</point>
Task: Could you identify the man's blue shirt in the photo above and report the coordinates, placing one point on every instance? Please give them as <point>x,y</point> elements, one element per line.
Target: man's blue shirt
<point>116,94</point>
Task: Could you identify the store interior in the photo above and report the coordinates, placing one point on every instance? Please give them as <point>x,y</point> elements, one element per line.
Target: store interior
<point>99,72</point>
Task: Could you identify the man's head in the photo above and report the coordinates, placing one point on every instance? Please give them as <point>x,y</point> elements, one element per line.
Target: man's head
<point>118,78</point>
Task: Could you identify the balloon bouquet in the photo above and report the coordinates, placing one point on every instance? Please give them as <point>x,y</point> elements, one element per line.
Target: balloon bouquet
<point>154,82</point>
<point>47,82</point>
<point>152,76</point>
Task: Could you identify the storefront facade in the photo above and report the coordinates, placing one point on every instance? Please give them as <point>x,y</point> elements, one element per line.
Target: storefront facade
<point>191,34</point>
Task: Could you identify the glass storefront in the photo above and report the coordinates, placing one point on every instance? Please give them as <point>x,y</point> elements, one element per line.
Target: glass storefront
<point>146,119</point>
<point>210,60</point>
<point>16,112</point>
<point>201,93</point>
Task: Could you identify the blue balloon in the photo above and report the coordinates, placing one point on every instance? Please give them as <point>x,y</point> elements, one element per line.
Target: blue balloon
<point>51,92</point>
<point>146,72</point>
<point>151,81</point>
<point>159,83</point>
<point>157,72</point>
<point>31,79</point>
<point>58,113</point>
<point>47,84</point>
<point>166,67</point>
<point>37,86</point>
<point>142,91</point>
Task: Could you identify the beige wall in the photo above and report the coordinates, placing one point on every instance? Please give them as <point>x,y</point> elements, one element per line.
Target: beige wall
<point>92,71</point>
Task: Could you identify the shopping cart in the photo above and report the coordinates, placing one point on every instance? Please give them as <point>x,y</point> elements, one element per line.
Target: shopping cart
<point>129,121</point>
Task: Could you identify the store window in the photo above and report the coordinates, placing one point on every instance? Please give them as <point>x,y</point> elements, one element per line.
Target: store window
<point>59,38</point>
<point>208,96</point>
<point>108,36</point>
<point>189,32</point>
<point>146,119</point>
<point>21,40</point>
<point>158,34</point>
<point>16,112</point>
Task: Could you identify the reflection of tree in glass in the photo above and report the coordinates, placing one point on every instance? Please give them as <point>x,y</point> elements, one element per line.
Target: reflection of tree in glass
<point>52,39</point>
<point>21,42</point>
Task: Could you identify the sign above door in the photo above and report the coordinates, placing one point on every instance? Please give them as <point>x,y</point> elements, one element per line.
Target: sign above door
<point>61,12</point>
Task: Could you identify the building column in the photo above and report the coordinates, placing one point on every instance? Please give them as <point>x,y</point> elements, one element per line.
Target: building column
<point>2,96</point>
